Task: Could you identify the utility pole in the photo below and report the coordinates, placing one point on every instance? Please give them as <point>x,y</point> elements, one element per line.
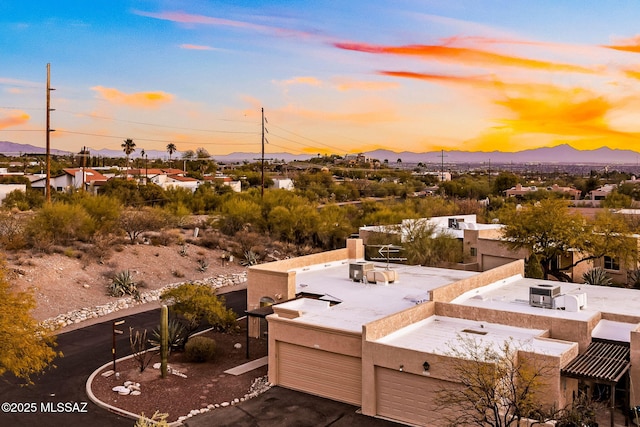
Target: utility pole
<point>47,190</point>
<point>442,156</point>
<point>262,159</point>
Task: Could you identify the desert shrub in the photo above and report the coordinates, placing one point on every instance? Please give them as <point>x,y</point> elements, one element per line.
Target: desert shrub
<point>123,284</point>
<point>200,349</point>
<point>23,200</point>
<point>134,222</point>
<point>203,265</point>
<point>59,223</point>
<point>596,276</point>
<point>165,238</point>
<point>177,334</point>
<point>105,212</point>
<point>157,420</point>
<point>196,303</point>
<point>12,231</point>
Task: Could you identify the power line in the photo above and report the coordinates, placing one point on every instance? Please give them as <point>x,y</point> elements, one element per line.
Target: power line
<point>159,125</point>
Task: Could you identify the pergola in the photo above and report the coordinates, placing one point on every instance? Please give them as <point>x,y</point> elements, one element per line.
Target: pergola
<point>603,363</point>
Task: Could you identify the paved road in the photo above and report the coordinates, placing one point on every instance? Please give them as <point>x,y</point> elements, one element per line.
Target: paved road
<point>84,350</point>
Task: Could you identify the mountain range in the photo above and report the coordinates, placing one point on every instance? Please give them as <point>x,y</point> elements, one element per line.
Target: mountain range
<point>560,154</point>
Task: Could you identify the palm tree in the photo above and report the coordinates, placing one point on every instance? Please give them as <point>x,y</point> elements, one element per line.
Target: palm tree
<point>171,148</point>
<point>128,146</point>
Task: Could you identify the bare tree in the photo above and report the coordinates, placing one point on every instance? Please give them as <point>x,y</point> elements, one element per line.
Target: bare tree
<point>138,342</point>
<point>497,387</point>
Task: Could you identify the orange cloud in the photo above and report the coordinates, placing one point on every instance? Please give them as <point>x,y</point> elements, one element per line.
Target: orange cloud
<point>632,74</point>
<point>187,18</point>
<point>464,55</point>
<point>627,45</point>
<point>534,114</point>
<point>138,99</point>
<point>14,118</point>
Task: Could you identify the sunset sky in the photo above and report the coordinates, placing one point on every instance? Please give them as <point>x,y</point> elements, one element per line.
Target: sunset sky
<point>332,76</point>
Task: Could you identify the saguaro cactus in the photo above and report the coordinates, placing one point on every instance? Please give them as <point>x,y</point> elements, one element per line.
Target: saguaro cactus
<point>164,340</point>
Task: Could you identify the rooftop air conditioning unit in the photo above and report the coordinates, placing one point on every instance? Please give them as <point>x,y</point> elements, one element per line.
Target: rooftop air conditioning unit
<point>542,295</point>
<point>358,270</point>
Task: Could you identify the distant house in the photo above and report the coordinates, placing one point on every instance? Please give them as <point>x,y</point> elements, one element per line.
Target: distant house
<point>73,178</point>
<point>283,183</point>
<point>165,178</point>
<point>519,191</point>
<point>236,186</point>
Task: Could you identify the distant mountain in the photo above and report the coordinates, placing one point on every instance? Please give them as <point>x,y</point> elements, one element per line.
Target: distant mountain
<point>14,149</point>
<point>560,154</point>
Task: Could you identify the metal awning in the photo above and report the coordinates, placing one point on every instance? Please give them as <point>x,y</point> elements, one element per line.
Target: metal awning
<point>603,362</point>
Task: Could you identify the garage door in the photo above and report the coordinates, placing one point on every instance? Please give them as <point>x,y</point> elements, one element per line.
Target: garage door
<point>490,261</point>
<point>319,372</point>
<point>407,397</point>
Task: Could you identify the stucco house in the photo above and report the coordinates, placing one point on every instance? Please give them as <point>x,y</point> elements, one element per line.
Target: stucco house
<point>377,336</point>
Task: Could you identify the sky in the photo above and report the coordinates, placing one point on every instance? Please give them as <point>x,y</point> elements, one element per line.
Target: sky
<point>333,77</point>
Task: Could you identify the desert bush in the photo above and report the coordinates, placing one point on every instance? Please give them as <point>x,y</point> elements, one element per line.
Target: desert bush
<point>249,258</point>
<point>200,349</point>
<point>134,222</point>
<point>177,334</point>
<point>157,420</point>
<point>59,223</point>
<point>203,265</point>
<point>105,212</point>
<point>12,231</point>
<point>596,276</point>
<point>123,284</point>
<point>196,303</point>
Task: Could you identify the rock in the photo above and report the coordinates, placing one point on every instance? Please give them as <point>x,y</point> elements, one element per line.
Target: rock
<point>237,345</point>
<point>135,393</point>
<point>224,404</point>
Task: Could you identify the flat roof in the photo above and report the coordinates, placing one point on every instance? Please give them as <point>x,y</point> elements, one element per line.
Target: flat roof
<point>439,334</point>
<point>361,303</point>
<point>512,295</point>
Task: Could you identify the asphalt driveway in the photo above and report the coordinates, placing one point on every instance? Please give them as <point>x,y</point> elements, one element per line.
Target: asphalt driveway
<point>281,407</point>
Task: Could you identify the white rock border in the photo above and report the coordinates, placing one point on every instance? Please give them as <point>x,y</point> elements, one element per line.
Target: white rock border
<point>86,313</point>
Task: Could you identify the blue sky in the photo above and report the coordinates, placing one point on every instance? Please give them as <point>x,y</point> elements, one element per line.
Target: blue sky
<point>333,76</point>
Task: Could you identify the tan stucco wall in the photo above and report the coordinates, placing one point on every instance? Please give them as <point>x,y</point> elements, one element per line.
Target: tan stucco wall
<point>453,290</point>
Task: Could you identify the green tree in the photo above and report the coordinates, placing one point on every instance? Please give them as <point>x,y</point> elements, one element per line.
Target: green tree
<point>27,348</point>
<point>239,213</point>
<point>197,303</point>
<point>503,182</point>
<point>617,200</point>
<point>171,148</point>
<point>548,230</point>
<point>124,190</point>
<point>425,246</point>
<point>128,146</point>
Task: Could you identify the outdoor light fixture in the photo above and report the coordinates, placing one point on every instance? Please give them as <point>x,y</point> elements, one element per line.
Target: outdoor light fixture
<point>401,368</point>
<point>425,366</point>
